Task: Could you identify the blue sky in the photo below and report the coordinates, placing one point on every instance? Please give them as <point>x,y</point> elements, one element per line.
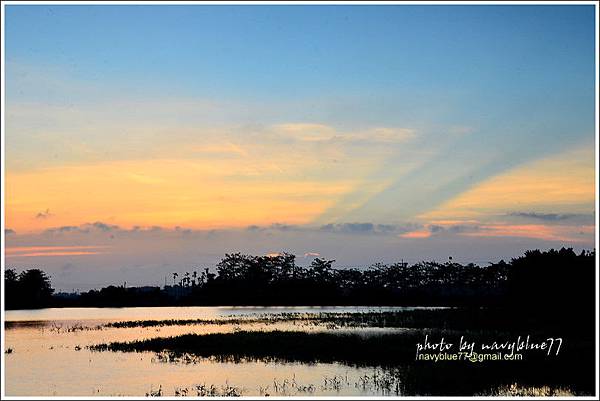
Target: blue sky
<point>274,52</point>
<point>230,116</point>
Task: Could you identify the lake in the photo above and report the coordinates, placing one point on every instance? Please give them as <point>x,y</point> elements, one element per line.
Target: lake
<point>47,354</point>
<point>49,359</point>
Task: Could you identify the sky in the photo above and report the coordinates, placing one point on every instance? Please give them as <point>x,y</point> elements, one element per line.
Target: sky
<point>146,140</point>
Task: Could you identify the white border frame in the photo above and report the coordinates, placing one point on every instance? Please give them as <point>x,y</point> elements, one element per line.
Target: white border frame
<point>248,3</point>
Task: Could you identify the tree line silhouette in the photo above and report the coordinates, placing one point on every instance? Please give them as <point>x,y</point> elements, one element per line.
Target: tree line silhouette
<point>538,278</point>
<point>29,289</point>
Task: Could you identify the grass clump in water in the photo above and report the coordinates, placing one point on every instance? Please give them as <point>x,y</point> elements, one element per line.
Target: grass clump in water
<point>278,345</point>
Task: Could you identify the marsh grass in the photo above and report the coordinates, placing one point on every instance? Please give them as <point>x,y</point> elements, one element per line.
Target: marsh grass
<point>290,346</point>
<point>515,390</point>
<point>394,352</point>
<point>442,318</point>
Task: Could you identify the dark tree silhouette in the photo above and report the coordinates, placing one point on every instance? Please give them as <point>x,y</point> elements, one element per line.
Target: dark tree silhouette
<point>557,279</point>
<point>30,289</point>
<point>11,282</point>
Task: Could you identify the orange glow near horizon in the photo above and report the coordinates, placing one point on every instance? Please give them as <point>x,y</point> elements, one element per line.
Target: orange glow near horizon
<point>17,249</point>
<point>38,254</point>
<point>239,192</point>
<point>164,193</point>
<point>539,231</point>
<point>562,183</point>
<point>37,251</point>
<point>417,234</point>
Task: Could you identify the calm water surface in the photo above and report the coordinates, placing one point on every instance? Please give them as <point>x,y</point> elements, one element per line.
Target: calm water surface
<point>49,355</point>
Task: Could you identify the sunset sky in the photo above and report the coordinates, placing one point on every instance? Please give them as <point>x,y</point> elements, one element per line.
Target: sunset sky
<point>143,140</point>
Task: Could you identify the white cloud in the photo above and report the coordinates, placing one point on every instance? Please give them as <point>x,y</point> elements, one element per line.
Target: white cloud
<point>311,132</point>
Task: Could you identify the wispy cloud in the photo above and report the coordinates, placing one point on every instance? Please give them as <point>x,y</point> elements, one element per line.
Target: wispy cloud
<point>226,148</point>
<point>429,230</point>
<point>103,226</point>
<point>84,228</point>
<point>49,254</point>
<point>574,233</point>
<point>63,229</point>
<point>562,183</point>
<point>313,132</point>
<point>53,251</point>
<point>43,215</point>
<point>417,234</point>
<point>367,228</point>
<point>362,228</point>
<point>275,226</point>
<point>537,231</point>
<point>550,217</point>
